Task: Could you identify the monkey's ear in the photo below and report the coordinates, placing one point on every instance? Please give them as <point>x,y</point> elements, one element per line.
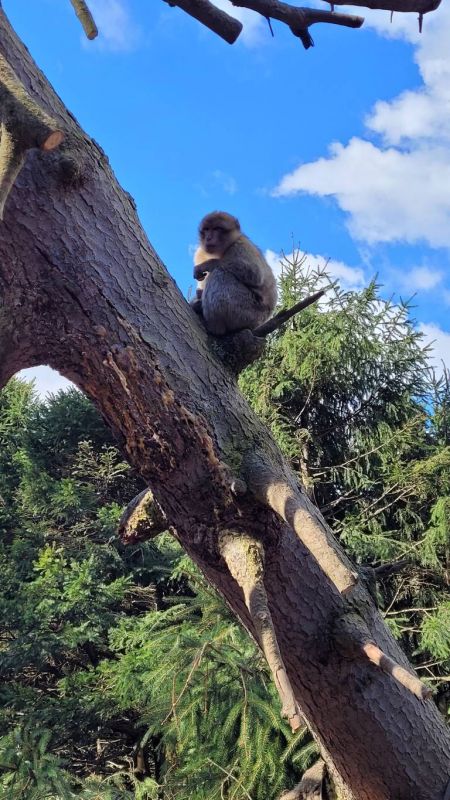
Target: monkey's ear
<point>237,223</point>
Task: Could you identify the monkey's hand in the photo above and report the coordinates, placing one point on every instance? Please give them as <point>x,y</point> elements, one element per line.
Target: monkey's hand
<point>201,270</point>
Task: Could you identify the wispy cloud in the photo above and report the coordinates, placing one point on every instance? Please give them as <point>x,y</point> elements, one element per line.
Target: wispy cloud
<point>227,182</point>
<point>117,30</point>
<point>422,279</point>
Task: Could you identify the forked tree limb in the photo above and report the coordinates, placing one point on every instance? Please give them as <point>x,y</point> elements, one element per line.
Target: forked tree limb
<point>353,637</point>
<point>298,19</point>
<point>283,316</point>
<point>244,557</point>
<point>294,507</point>
<point>24,125</point>
<point>218,21</point>
<point>87,20</point>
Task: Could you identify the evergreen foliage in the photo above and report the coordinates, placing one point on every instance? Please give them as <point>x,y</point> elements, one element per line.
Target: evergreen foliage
<point>123,674</point>
<point>348,392</point>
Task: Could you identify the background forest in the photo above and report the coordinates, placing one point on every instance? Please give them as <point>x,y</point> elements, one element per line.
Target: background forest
<point>123,673</point>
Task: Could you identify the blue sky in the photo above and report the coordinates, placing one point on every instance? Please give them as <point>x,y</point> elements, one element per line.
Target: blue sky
<point>344,148</point>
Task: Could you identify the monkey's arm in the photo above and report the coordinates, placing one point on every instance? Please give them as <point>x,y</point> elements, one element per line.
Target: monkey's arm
<point>244,261</point>
<point>201,270</point>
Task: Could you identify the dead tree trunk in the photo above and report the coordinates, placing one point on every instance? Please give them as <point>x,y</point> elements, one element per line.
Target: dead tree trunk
<point>82,290</point>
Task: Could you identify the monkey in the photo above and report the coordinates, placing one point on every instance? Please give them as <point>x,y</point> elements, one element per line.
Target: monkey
<point>236,288</point>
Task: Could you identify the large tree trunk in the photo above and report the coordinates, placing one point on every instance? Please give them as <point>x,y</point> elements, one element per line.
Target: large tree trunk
<point>82,290</point>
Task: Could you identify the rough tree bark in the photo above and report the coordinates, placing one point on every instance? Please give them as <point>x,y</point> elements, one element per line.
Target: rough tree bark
<point>82,290</point>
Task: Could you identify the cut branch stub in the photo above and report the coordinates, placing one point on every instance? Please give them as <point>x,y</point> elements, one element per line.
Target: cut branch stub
<point>295,509</point>
<point>218,21</point>
<point>354,639</point>
<point>244,558</point>
<point>87,20</point>
<point>142,519</point>
<point>23,125</point>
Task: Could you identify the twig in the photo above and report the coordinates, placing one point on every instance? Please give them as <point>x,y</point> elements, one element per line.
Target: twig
<point>279,319</point>
<point>230,775</point>
<point>227,27</point>
<point>87,20</point>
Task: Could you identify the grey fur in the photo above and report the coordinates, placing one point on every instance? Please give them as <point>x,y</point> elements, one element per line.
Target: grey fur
<point>240,289</point>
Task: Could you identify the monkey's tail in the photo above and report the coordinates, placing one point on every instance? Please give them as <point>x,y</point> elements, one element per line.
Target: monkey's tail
<point>279,319</point>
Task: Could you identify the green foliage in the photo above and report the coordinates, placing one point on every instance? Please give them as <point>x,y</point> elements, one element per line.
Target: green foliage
<point>123,675</point>
<point>348,393</point>
<point>120,668</point>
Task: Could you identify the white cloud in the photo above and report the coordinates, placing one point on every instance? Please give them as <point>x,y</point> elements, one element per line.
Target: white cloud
<point>389,195</point>
<point>399,191</point>
<point>45,380</point>
<point>440,344</point>
<point>422,279</point>
<point>116,29</point>
<point>348,277</point>
<point>253,30</point>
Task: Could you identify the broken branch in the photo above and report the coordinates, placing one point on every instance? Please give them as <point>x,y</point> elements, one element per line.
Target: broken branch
<point>228,28</point>
<point>244,558</point>
<point>299,19</point>
<point>299,513</point>
<point>87,20</point>
<point>24,125</point>
<point>354,638</point>
<point>279,319</point>
<point>142,519</point>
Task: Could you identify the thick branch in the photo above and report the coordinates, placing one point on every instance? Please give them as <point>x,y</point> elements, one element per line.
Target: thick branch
<point>86,18</point>
<point>24,125</point>
<point>299,19</point>
<point>214,18</point>
<point>295,508</point>
<point>283,316</point>
<point>404,6</point>
<point>353,636</point>
<point>244,557</point>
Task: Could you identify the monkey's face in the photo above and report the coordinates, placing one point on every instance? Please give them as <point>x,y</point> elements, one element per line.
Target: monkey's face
<point>217,231</point>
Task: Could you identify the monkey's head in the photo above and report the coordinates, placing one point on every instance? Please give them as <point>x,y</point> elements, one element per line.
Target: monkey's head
<point>218,231</point>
